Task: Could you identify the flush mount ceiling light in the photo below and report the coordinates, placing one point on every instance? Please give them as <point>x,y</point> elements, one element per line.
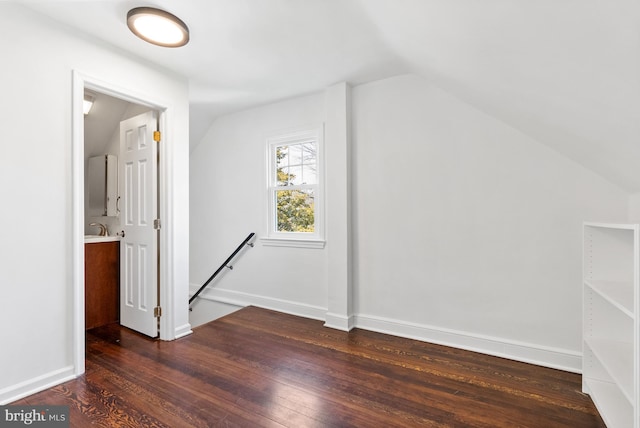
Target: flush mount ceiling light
<point>158,27</point>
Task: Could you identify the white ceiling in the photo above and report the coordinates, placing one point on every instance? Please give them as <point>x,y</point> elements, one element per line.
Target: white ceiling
<point>101,123</point>
<point>565,72</point>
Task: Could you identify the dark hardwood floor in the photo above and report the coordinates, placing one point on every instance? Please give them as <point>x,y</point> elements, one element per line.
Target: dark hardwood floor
<point>262,368</point>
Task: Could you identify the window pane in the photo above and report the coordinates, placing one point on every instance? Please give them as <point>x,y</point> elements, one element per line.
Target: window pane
<point>282,162</point>
<point>295,154</point>
<point>282,158</point>
<point>295,211</point>
<point>309,174</point>
<point>295,175</point>
<point>309,153</point>
<point>282,177</point>
<point>296,164</point>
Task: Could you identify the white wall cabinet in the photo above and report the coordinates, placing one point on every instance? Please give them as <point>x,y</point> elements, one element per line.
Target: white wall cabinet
<point>610,362</point>
<point>103,186</point>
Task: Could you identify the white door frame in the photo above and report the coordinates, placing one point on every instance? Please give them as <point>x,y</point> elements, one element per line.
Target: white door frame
<point>81,82</point>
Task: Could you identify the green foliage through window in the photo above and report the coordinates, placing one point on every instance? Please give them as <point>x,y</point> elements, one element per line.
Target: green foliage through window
<point>295,210</point>
<point>296,168</point>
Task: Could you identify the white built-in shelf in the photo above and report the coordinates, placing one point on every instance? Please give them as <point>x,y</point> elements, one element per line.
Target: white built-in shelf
<point>623,226</point>
<point>618,293</point>
<point>613,407</point>
<point>611,323</point>
<point>617,359</point>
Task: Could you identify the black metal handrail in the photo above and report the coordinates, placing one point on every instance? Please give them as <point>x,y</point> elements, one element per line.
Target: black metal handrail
<point>224,265</point>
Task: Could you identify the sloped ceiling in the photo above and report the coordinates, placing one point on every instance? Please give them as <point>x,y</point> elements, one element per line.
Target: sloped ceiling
<point>565,72</point>
<point>101,123</point>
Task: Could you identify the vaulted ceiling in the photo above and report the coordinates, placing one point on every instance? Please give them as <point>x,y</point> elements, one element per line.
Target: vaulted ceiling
<point>565,72</point>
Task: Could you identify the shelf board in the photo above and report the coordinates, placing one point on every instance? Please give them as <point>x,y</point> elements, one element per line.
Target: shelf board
<point>613,408</point>
<point>617,359</point>
<point>618,293</point>
<point>626,226</point>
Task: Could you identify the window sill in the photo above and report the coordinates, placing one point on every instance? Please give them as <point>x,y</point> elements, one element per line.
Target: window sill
<point>293,242</point>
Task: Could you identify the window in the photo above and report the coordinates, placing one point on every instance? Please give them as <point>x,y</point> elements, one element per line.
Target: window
<point>295,190</point>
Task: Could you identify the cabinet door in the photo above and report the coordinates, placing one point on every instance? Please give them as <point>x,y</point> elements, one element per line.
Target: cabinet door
<point>102,283</point>
<point>97,173</point>
<point>103,186</point>
<point>112,186</point>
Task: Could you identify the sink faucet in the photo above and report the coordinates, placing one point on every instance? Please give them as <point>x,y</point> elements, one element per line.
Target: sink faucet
<point>103,228</point>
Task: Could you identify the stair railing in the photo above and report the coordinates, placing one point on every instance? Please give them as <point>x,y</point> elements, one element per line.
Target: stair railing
<point>224,265</point>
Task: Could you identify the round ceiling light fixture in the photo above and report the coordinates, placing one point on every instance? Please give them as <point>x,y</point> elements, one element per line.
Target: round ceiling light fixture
<point>158,27</point>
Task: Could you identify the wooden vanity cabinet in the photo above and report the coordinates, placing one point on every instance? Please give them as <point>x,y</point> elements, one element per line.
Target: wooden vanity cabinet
<point>101,283</point>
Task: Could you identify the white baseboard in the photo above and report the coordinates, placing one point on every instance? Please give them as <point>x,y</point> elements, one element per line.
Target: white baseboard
<point>240,299</point>
<point>183,330</point>
<point>37,384</point>
<point>555,358</point>
<point>339,322</point>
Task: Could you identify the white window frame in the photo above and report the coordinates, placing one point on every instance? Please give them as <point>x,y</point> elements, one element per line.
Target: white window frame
<point>313,239</point>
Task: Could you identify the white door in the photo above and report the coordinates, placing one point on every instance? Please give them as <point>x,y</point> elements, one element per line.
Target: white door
<point>138,209</point>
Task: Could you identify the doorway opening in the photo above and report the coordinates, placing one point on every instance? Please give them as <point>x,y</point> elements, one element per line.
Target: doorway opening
<point>152,183</point>
<point>121,244</point>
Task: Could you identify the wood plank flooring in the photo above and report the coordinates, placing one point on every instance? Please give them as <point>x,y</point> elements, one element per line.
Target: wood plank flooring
<point>259,368</point>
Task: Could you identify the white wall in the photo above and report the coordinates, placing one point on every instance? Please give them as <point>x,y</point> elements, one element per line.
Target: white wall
<point>467,231</point>
<point>36,175</point>
<point>228,201</point>
<point>634,207</point>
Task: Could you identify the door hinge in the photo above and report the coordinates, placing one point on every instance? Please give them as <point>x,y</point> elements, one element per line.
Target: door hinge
<point>156,224</point>
<point>157,312</point>
<point>156,136</point>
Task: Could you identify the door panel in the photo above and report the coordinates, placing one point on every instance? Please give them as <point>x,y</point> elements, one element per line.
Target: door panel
<point>138,191</point>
